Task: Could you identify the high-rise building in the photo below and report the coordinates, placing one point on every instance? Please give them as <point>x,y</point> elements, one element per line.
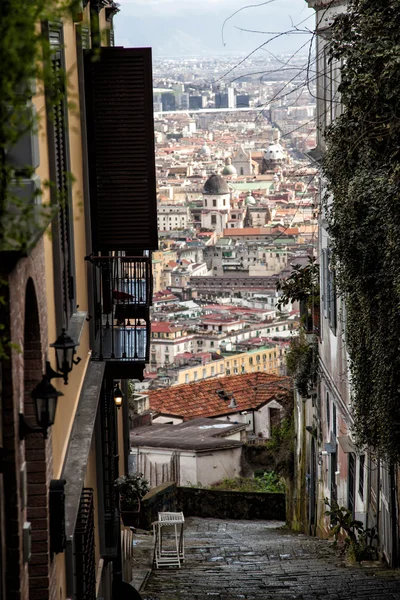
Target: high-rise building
<point>195,102</point>
<point>242,100</point>
<point>168,101</point>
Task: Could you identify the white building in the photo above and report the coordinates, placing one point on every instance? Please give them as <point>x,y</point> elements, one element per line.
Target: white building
<point>172,217</point>
<point>241,160</point>
<point>200,451</point>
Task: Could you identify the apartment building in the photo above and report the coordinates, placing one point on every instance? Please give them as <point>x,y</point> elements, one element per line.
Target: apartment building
<point>76,308</point>
<point>334,467</point>
<point>172,217</point>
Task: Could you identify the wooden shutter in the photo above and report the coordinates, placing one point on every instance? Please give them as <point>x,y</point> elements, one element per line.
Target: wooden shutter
<point>119,104</point>
<point>59,169</point>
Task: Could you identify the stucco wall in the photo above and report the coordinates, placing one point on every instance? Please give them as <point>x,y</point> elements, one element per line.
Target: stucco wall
<point>218,465</point>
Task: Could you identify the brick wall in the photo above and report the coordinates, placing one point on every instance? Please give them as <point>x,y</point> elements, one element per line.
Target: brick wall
<point>27,329</point>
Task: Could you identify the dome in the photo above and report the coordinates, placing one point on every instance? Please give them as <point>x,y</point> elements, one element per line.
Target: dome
<point>274,152</point>
<point>205,150</point>
<point>215,184</point>
<point>249,200</point>
<point>229,169</point>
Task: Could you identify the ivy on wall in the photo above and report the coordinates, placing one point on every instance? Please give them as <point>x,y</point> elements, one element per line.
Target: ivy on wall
<point>362,169</point>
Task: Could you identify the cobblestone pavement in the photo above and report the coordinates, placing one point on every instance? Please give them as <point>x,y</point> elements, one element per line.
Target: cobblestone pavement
<point>230,560</point>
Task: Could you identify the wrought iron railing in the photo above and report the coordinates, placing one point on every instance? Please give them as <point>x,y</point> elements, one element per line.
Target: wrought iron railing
<point>122,288</point>
<point>109,468</point>
<point>85,561</point>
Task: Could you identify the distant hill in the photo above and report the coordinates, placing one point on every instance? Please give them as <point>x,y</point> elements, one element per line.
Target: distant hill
<point>179,35</point>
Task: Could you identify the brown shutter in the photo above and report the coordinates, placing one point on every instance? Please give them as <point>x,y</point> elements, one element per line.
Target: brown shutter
<point>119,104</point>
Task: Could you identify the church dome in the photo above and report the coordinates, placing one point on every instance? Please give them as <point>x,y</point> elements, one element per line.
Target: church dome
<point>229,169</point>
<point>205,150</point>
<point>274,152</point>
<point>215,184</point>
<point>249,200</point>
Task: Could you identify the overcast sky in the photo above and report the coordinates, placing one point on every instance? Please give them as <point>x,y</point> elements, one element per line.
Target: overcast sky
<point>176,27</point>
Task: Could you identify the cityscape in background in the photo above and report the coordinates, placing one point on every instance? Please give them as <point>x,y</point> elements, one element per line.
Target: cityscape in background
<point>236,209</point>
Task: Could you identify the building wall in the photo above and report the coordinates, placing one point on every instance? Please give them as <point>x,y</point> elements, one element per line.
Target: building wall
<point>195,467</point>
<point>32,320</point>
<point>218,464</point>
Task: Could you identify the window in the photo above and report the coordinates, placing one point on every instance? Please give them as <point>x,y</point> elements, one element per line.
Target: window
<point>334,426</point>
<point>212,370</point>
<point>214,203</point>
<point>212,344</point>
<point>328,412</point>
<point>329,289</point>
<point>361,476</point>
<point>221,368</point>
<point>205,202</point>
<point>204,373</point>
<point>213,219</point>
<point>186,378</point>
<point>62,237</point>
<point>264,357</point>
<point>224,202</point>
<point>195,375</point>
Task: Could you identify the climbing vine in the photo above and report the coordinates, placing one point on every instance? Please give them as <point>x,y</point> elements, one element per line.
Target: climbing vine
<point>362,204</point>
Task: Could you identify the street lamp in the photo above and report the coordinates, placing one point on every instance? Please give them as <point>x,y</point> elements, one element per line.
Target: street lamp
<point>118,395</point>
<point>65,348</point>
<point>45,397</point>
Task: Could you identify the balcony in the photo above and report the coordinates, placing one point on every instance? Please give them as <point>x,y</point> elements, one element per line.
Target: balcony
<point>122,289</point>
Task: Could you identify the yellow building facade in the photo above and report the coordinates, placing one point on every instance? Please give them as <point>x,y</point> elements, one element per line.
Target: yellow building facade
<point>85,273</point>
<point>266,360</point>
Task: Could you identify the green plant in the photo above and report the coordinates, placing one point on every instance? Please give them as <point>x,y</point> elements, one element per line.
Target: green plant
<point>301,286</point>
<point>362,205</point>
<point>24,56</point>
<point>358,542</point>
<point>131,488</point>
<point>268,482</point>
<point>302,363</point>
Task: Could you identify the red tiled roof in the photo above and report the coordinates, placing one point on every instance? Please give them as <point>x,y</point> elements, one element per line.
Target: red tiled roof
<point>163,327</point>
<point>200,399</point>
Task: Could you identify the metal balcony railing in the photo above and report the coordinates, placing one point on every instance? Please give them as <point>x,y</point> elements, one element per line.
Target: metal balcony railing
<point>122,287</point>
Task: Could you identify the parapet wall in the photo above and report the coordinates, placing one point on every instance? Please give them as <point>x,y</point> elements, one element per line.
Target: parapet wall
<point>199,502</point>
<point>217,504</point>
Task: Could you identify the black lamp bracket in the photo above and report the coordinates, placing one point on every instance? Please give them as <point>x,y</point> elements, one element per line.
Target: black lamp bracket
<point>25,429</point>
<point>77,360</point>
<point>51,373</point>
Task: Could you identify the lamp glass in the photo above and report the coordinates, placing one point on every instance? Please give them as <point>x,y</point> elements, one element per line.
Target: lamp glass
<point>118,396</point>
<point>65,349</point>
<point>46,411</point>
<point>45,397</point>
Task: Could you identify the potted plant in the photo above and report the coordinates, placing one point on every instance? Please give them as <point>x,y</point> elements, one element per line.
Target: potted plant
<point>131,489</point>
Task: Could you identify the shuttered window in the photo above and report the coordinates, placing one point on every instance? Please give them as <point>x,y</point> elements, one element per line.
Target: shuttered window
<point>62,233</point>
<point>119,104</point>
